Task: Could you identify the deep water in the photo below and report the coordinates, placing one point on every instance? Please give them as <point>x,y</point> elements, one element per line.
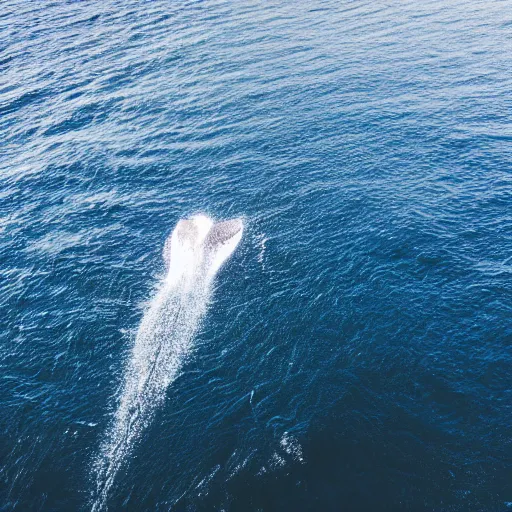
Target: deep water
<point>356,353</point>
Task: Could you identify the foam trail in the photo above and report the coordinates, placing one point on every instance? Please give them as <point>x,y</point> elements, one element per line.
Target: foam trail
<point>196,249</point>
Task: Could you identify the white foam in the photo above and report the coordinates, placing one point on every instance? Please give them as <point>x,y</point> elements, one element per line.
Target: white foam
<point>261,255</point>
<point>292,447</point>
<point>163,340</point>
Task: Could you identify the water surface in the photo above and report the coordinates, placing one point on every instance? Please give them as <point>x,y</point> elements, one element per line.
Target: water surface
<point>356,353</point>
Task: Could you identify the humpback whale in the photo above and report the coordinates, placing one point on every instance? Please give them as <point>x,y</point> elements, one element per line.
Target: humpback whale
<point>193,254</point>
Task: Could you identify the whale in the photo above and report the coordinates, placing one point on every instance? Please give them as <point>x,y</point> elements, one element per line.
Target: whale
<point>198,247</point>
<point>193,254</point>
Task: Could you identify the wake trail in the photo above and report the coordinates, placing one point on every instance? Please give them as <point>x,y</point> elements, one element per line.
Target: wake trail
<point>163,340</point>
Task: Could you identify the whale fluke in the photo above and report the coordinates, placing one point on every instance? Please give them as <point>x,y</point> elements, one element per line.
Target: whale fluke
<point>222,232</point>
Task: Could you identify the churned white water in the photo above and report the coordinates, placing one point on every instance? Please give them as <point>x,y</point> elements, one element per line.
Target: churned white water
<point>162,342</point>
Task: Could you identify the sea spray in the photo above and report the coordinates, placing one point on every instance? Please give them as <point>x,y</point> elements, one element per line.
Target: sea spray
<point>195,252</point>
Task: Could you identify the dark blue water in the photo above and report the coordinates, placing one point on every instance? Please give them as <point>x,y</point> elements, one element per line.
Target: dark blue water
<point>356,353</point>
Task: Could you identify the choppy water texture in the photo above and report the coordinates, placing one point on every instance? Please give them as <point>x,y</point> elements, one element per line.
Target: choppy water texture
<point>356,352</point>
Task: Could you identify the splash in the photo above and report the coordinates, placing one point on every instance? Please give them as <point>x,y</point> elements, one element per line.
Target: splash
<point>194,252</point>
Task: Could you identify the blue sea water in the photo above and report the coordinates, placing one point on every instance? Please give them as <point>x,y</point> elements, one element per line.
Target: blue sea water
<point>356,353</point>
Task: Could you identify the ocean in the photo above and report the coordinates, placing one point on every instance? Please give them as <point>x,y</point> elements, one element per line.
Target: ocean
<point>355,351</point>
